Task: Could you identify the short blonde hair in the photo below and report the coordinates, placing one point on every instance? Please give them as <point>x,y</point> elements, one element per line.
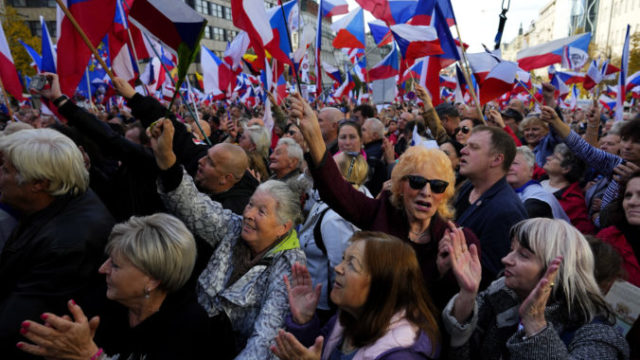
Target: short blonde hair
<point>532,118</point>
<point>159,245</point>
<point>46,154</point>
<point>418,157</point>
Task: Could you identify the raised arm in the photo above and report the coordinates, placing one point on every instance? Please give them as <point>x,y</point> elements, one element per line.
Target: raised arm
<point>204,217</point>
<point>430,116</point>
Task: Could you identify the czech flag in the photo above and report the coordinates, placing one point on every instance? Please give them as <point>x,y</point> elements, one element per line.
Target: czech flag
<point>333,72</point>
<point>345,88</point>
<point>593,76</point>
<point>37,59</point>
<point>251,16</point>
<point>216,75</point>
<point>413,72</point>
<point>388,67</point>
<point>570,77</point>
<point>333,7</point>
<point>622,79</point>
<point>350,31</point>
<point>380,32</point>
<point>499,81</point>
<point>550,53</point>
<point>390,11</point>
<point>416,41</point>
<point>482,63</point>
<point>280,46</point>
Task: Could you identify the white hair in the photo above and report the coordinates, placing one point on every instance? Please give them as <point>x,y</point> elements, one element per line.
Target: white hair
<point>46,154</point>
<point>527,154</point>
<point>377,127</point>
<point>260,137</point>
<point>287,201</point>
<point>159,245</point>
<point>293,149</point>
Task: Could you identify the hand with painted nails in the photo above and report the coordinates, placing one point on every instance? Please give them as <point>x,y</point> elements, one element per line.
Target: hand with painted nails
<point>61,337</point>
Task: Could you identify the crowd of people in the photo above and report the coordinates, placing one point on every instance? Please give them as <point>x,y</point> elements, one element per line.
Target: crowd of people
<point>409,231</point>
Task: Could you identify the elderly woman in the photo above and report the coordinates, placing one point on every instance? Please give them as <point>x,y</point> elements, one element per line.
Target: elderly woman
<point>565,170</point>
<point>624,236</point>
<point>242,283</point>
<point>325,235</point>
<point>149,315</point>
<point>546,306</point>
<point>384,309</point>
<point>414,208</point>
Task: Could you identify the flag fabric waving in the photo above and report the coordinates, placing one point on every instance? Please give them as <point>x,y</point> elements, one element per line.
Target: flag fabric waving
<point>8,73</point>
<point>48,62</point>
<point>333,7</point>
<point>416,41</point>
<point>280,46</point>
<point>37,59</point>
<point>380,32</point>
<point>622,79</point>
<point>95,17</point>
<point>551,52</point>
<point>593,76</point>
<point>350,31</point>
<point>499,80</point>
<point>388,67</point>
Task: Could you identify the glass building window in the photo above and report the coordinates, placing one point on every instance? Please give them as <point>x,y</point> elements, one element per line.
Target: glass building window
<point>202,6</point>
<point>218,34</point>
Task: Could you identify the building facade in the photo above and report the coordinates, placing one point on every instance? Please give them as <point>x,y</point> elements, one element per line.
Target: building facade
<point>30,11</point>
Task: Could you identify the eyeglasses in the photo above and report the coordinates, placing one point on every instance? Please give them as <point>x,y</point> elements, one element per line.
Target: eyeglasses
<point>465,129</point>
<point>417,182</point>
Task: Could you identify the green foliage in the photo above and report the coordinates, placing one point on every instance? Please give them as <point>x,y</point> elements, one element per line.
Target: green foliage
<point>15,29</point>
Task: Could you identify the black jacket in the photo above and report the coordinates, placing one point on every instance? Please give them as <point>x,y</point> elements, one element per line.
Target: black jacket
<point>236,198</point>
<point>132,189</point>
<point>377,167</point>
<point>51,256</point>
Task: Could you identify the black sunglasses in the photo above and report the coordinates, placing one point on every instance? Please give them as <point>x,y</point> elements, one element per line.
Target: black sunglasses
<point>465,129</point>
<point>417,182</point>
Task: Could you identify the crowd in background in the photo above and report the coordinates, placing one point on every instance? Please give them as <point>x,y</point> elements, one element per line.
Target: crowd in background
<point>405,231</point>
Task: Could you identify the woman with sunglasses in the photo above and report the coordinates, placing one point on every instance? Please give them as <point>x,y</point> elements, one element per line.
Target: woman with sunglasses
<point>466,125</point>
<point>414,208</point>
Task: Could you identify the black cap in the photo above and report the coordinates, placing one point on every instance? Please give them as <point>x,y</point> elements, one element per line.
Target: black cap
<point>513,114</point>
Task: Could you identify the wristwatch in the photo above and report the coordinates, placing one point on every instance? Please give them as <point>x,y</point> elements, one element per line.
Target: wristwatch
<point>59,100</point>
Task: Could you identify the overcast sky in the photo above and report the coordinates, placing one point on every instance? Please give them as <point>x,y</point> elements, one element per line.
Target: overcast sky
<point>478,19</point>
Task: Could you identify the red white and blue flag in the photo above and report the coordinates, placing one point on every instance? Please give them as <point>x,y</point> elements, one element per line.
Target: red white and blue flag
<point>350,31</point>
<point>388,67</point>
<point>251,16</point>
<point>280,46</point>
<point>380,32</point>
<point>499,81</point>
<point>551,52</point>
<point>573,58</point>
<point>593,76</point>
<point>333,7</point>
<point>416,41</point>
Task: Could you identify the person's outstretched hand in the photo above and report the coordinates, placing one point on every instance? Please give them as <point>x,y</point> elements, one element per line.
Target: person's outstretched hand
<point>549,94</point>
<point>61,337</point>
<point>161,135</point>
<point>303,297</point>
<point>302,112</point>
<point>465,264</point>
<point>532,308</point>
<point>124,88</point>
<point>424,96</point>
<point>289,348</point>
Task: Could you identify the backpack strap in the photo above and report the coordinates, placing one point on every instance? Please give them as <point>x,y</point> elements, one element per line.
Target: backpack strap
<point>317,234</point>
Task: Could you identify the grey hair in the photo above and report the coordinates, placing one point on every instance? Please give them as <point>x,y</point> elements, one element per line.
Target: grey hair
<point>615,128</point>
<point>159,245</point>
<point>293,149</point>
<point>575,283</point>
<point>46,154</point>
<point>260,137</point>
<point>287,201</point>
<point>528,155</point>
<point>377,127</point>
<point>532,117</point>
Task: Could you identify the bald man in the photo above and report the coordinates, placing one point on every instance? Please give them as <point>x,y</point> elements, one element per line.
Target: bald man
<point>223,175</point>
<point>328,119</point>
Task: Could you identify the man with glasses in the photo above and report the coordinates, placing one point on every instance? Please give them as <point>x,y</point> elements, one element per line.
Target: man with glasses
<point>487,204</point>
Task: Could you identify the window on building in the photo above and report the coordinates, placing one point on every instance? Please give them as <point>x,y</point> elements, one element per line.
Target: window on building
<point>218,34</point>
<point>230,34</point>
<point>34,27</point>
<point>207,32</point>
<point>227,13</point>
<point>202,6</point>
<point>17,3</point>
<point>217,10</point>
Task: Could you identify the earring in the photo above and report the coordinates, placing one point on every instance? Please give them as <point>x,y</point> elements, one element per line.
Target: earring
<point>147,292</point>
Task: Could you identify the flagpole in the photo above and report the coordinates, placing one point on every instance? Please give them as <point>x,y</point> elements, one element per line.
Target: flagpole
<point>84,37</point>
<point>86,74</point>
<point>286,26</point>
<point>7,103</point>
<point>467,76</point>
